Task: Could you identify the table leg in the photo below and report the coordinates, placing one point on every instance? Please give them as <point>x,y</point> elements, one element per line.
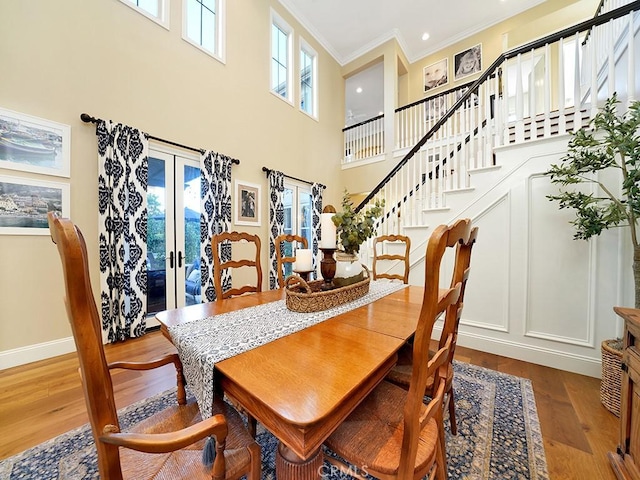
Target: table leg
<point>291,467</point>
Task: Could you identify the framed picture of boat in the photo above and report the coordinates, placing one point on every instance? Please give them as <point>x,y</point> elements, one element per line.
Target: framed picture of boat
<point>33,144</point>
<point>24,203</point>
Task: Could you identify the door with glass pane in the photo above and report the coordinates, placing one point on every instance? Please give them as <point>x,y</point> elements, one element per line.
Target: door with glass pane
<point>297,205</point>
<point>173,232</point>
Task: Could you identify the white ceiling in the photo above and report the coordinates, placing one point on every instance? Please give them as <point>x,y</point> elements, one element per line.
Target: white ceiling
<point>348,29</point>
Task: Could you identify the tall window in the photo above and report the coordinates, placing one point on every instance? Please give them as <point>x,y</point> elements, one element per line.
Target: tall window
<point>308,79</point>
<point>203,25</point>
<point>281,40</point>
<point>156,10</point>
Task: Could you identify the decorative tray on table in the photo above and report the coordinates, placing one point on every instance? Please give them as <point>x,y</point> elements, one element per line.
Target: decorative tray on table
<point>304,297</point>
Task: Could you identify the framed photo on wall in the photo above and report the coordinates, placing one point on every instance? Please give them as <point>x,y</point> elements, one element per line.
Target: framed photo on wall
<point>436,74</point>
<point>467,62</point>
<point>24,203</point>
<point>247,201</point>
<point>33,144</point>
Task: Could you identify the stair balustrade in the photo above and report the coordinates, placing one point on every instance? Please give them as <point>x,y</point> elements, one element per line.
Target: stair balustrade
<point>544,88</point>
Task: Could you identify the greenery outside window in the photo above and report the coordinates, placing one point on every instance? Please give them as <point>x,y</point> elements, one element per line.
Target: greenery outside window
<point>281,48</point>
<point>156,10</point>
<point>204,26</point>
<point>308,79</point>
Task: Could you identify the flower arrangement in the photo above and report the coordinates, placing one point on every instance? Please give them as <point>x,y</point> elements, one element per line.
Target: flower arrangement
<point>352,227</point>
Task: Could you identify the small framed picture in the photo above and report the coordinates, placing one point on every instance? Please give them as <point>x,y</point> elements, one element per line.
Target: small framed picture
<point>24,204</point>
<point>33,144</point>
<point>436,74</point>
<point>467,62</point>
<point>247,202</point>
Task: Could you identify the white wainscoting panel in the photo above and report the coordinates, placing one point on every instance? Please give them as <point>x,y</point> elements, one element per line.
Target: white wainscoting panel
<point>487,294</point>
<point>560,271</point>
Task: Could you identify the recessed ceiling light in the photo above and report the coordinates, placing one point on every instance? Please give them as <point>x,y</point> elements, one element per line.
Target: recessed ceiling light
<point>359,90</point>
<point>425,36</point>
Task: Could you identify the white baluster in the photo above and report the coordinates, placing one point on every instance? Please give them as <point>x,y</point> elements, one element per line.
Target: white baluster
<point>611,59</point>
<point>631,67</point>
<point>519,101</point>
<point>547,90</point>
<point>562,122</point>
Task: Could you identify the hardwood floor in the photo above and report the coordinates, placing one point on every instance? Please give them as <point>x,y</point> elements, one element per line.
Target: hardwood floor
<point>44,399</point>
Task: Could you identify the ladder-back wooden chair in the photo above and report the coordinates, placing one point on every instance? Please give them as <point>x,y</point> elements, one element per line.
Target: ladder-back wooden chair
<point>282,260</point>
<point>218,242</point>
<point>401,373</point>
<point>168,444</point>
<point>378,256</point>
<point>392,434</point>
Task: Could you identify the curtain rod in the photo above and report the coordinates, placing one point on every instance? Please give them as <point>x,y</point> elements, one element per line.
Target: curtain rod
<point>268,171</point>
<point>85,117</point>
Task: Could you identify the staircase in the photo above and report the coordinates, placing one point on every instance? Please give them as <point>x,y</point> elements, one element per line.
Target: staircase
<point>481,151</point>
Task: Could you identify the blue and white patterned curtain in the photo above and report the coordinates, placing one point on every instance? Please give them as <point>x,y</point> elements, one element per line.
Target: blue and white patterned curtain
<point>215,217</point>
<point>276,222</point>
<point>316,201</point>
<point>122,216</point>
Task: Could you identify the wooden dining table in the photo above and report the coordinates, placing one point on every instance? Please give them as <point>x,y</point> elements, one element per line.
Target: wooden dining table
<point>301,386</point>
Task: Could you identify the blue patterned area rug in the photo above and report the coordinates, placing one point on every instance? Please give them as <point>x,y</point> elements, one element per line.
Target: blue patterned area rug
<point>498,436</point>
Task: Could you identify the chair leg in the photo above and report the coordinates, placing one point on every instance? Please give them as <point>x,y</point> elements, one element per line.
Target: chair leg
<point>251,425</point>
<point>441,463</point>
<point>452,411</point>
<point>256,462</point>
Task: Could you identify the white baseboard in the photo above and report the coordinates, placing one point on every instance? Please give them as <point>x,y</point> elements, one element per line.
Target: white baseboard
<point>33,353</point>
<point>529,353</point>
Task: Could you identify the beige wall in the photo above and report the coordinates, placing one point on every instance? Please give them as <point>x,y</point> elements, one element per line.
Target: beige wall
<point>62,58</point>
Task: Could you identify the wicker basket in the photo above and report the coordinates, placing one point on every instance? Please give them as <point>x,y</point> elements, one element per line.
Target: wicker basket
<point>308,297</point>
<point>611,376</point>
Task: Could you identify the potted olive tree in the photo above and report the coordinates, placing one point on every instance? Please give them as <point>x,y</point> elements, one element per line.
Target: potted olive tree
<point>611,142</point>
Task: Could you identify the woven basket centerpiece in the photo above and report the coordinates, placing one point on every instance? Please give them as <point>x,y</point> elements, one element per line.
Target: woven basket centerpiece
<point>304,297</point>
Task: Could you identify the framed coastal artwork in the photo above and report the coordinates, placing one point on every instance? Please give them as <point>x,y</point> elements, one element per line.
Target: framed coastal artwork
<point>247,201</point>
<point>24,203</point>
<point>467,62</point>
<point>436,74</point>
<point>33,144</point>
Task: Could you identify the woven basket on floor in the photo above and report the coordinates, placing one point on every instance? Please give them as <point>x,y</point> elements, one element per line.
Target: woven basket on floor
<point>308,297</point>
<point>611,382</point>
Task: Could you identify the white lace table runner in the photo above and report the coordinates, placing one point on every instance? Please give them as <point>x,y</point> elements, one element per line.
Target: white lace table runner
<point>202,343</point>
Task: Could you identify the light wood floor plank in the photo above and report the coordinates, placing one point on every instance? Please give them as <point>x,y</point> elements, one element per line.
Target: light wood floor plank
<point>44,399</point>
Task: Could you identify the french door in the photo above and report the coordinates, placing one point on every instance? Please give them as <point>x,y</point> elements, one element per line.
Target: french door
<point>173,231</point>
<point>298,212</point>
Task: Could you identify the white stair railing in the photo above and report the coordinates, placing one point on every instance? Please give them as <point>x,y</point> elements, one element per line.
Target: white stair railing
<point>364,140</point>
<point>530,92</point>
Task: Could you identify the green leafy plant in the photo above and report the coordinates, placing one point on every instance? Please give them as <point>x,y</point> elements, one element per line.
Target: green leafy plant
<point>355,228</point>
<point>610,142</point>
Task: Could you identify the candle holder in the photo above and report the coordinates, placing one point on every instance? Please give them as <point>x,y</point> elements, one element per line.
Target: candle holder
<point>304,274</point>
<point>328,268</point>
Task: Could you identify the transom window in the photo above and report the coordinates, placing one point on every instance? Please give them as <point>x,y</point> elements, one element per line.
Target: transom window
<point>203,25</point>
<point>281,40</point>
<point>308,79</point>
<point>156,10</point>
